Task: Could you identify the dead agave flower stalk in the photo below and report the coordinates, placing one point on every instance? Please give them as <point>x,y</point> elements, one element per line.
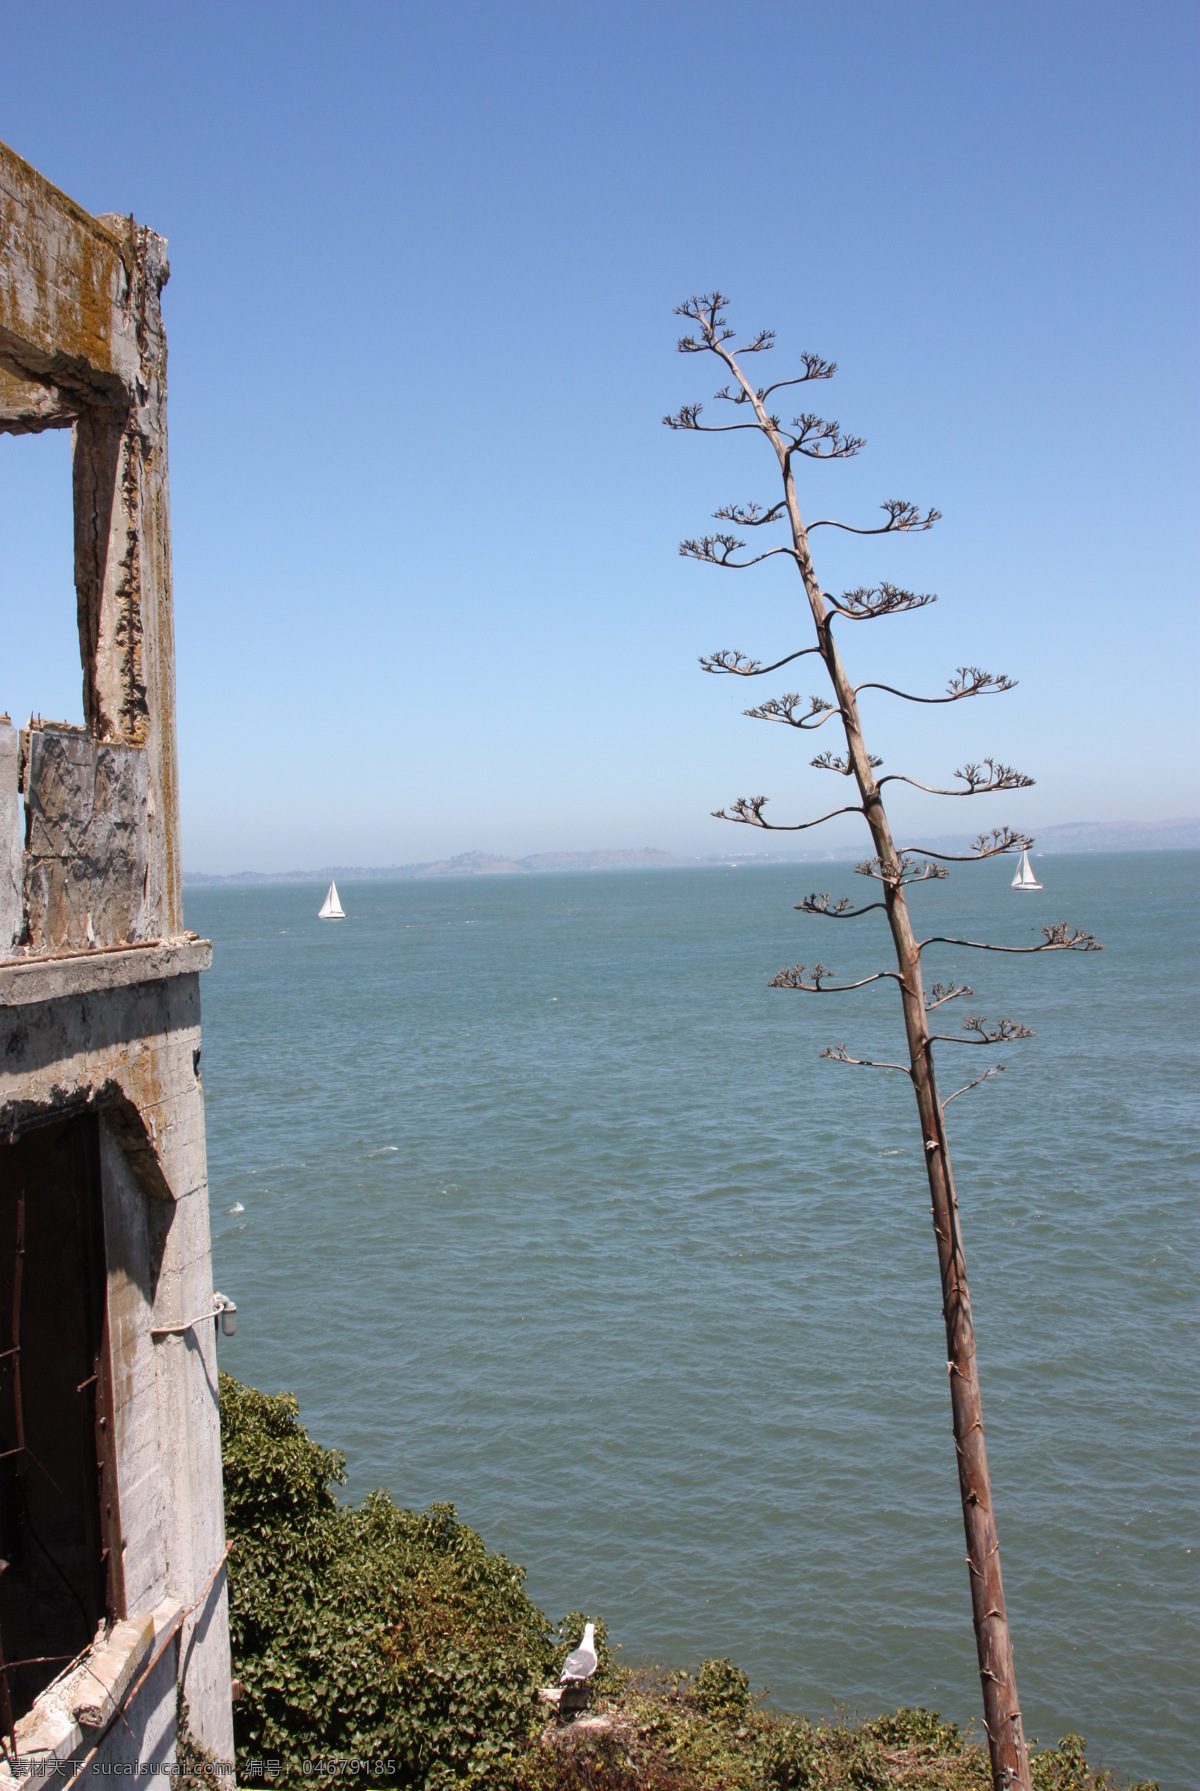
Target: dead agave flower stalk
<point>894,869</point>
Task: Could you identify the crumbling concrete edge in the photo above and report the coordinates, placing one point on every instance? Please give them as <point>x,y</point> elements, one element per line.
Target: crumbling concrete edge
<point>89,1695</point>
<point>128,1125</point>
<point>58,978</point>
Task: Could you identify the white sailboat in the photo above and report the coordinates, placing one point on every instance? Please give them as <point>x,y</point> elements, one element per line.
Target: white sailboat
<point>331,908</point>
<point>1025,878</point>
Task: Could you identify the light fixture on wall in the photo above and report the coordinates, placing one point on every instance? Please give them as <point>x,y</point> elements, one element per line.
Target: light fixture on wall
<point>225,1314</point>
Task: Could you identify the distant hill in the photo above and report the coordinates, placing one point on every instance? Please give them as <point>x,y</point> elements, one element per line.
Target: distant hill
<point>484,864</point>
<point>466,864</point>
<point>1121,836</point>
<point>1073,836</point>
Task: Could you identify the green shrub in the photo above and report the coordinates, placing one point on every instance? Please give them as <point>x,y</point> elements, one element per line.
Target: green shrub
<point>1065,1768</point>
<point>920,1729</point>
<point>722,1690</point>
<point>370,1633</point>
<point>794,1759</point>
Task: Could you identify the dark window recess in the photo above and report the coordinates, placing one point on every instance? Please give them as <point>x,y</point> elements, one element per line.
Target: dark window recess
<point>57,1496</point>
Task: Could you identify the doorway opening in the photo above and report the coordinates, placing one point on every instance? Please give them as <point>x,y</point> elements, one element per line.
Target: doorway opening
<point>60,1576</point>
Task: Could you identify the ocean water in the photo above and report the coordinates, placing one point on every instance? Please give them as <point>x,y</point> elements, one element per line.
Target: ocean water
<point>551,1208</point>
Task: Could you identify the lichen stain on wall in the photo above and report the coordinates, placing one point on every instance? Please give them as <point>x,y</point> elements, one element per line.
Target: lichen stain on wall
<point>65,279</point>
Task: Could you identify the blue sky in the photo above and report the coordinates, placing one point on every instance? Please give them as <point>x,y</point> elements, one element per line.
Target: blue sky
<point>425,515</point>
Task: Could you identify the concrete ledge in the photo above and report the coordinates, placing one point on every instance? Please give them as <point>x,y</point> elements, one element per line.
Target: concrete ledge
<point>64,289</point>
<point>109,1671</point>
<point>80,1704</point>
<point>57,977</point>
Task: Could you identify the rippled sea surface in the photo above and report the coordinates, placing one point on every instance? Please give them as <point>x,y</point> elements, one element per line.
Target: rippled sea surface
<point>551,1208</point>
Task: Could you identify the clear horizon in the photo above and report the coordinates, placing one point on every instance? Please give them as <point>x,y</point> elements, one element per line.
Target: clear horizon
<point>428,596</point>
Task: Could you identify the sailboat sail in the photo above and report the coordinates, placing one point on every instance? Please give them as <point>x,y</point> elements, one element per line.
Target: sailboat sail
<point>331,908</point>
<point>1025,878</point>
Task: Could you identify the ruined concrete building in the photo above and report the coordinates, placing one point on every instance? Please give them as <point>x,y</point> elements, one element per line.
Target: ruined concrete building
<point>112,1552</point>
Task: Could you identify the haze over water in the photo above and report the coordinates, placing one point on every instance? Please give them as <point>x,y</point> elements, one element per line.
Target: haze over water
<point>553,1210</point>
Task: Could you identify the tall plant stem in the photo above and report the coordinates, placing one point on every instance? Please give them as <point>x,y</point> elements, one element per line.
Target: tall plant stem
<point>1002,1711</point>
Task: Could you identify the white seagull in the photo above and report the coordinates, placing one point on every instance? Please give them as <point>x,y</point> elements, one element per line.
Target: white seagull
<point>581,1663</point>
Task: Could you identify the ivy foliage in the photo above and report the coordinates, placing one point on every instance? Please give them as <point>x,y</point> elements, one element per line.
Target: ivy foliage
<point>369,1633</point>
<point>707,1732</point>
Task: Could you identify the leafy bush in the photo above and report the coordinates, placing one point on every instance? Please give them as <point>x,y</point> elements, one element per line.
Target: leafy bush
<point>722,1690</point>
<point>371,1633</point>
<point>1065,1768</point>
<point>606,1763</point>
<point>919,1729</point>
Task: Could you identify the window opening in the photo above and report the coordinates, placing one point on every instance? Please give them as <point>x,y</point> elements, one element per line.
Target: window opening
<point>41,671</point>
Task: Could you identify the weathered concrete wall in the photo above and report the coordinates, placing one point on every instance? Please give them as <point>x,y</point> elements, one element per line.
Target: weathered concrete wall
<point>82,343</point>
<point>66,300</point>
<point>12,840</point>
<point>87,861</point>
<point>133,1050</point>
<point>123,585</point>
<point>167,1428</point>
<point>27,406</point>
<point>144,1733</point>
<point>99,989</point>
<point>135,1229</point>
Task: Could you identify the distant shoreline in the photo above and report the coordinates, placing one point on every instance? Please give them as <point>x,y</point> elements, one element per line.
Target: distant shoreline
<point>1072,837</point>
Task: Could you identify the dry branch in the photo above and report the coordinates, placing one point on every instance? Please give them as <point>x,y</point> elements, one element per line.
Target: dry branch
<point>868,602</point>
<point>979,1033</point>
<point>749,811</point>
<point>1059,937</point>
<point>996,1069</point>
<point>902,518</point>
<point>839,1054</point>
<point>793,978</point>
<point>901,871</point>
<point>832,761</point>
<point>943,992</point>
<point>968,681</point>
<point>784,708</point>
<point>987,845</point>
<point>839,910</point>
<point>738,665</point>
<point>978,780</point>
